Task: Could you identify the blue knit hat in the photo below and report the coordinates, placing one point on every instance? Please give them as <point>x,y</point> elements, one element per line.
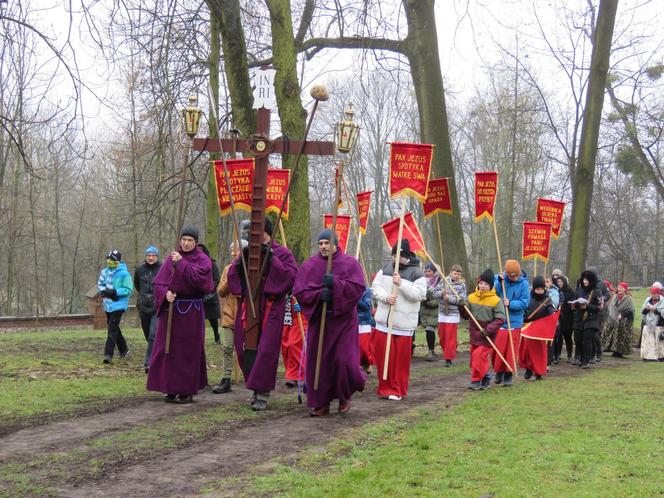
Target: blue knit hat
<point>151,250</point>
<point>327,235</point>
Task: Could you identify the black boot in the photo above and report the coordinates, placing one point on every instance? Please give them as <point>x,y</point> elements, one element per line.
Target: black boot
<point>224,386</point>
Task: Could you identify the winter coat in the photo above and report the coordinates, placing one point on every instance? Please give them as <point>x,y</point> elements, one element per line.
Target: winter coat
<point>534,307</point>
<point>211,300</point>
<point>589,317</point>
<point>519,295</point>
<point>448,311</point>
<point>566,294</point>
<point>410,293</point>
<point>364,315</point>
<point>488,310</point>
<point>120,280</point>
<point>143,276</point>
<point>230,301</point>
<point>554,294</point>
<point>429,306</point>
<point>653,318</point>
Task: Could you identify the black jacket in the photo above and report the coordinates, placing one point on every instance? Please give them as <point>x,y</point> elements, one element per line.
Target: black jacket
<point>143,276</point>
<point>589,317</point>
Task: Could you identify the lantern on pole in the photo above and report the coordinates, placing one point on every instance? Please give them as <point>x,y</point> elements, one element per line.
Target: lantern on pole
<point>347,132</point>
<point>191,115</point>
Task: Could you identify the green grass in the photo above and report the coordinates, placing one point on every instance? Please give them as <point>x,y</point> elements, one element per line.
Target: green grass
<point>589,435</point>
<point>54,374</point>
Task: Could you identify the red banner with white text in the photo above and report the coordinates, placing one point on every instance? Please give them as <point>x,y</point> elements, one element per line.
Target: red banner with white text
<point>410,165</point>
<point>438,197</point>
<point>342,229</point>
<point>277,186</point>
<point>486,190</point>
<point>536,240</point>
<point>550,211</point>
<point>363,205</point>
<point>241,179</point>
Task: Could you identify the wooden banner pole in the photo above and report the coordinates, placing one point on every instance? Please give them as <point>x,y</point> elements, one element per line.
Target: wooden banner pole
<point>502,282</point>
<point>440,243</point>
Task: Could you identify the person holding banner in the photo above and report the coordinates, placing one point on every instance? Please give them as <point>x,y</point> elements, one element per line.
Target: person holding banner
<point>448,313</point>
<point>411,288</point>
<point>340,372</point>
<point>516,301</point>
<point>533,352</point>
<point>489,312</point>
<point>277,280</point>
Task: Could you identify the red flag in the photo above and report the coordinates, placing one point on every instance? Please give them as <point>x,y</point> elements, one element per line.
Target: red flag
<point>536,240</point>
<point>363,205</point>
<point>342,228</point>
<point>486,190</point>
<point>543,329</point>
<point>410,232</point>
<point>277,185</point>
<point>438,197</point>
<point>550,211</point>
<point>410,165</point>
<point>241,176</point>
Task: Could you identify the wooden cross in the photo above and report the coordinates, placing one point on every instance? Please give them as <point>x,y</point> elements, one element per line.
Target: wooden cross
<point>260,146</point>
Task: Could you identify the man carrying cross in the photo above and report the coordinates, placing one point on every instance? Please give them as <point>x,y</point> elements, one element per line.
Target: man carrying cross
<point>277,279</point>
<point>340,371</point>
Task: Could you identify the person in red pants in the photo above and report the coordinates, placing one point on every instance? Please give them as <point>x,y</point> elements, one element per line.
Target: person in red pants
<point>292,341</point>
<point>398,294</point>
<point>448,313</point>
<point>533,352</point>
<point>366,324</point>
<point>489,311</point>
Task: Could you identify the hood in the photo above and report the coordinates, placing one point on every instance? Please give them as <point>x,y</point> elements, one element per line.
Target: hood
<point>592,279</point>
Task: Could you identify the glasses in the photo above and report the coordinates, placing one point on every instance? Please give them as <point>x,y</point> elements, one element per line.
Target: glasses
<point>512,275</point>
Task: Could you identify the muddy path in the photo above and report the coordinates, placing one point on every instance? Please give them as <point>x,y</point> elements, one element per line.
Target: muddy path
<point>234,448</point>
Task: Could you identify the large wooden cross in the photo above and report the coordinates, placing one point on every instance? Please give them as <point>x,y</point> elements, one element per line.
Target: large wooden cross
<point>260,146</point>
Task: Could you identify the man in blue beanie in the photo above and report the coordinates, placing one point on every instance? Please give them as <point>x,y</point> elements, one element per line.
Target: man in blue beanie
<point>147,311</point>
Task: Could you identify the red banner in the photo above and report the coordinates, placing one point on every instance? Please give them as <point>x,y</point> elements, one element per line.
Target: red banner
<point>363,205</point>
<point>410,232</point>
<point>438,197</point>
<point>342,228</point>
<point>277,185</point>
<point>536,240</point>
<point>241,177</point>
<point>410,165</point>
<point>550,211</point>
<point>543,329</point>
<point>486,190</point>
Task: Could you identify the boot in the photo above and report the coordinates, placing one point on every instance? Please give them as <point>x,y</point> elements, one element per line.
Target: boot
<point>475,385</point>
<point>485,383</point>
<point>431,356</point>
<point>507,379</point>
<point>499,377</point>
<point>224,386</point>
<point>528,374</point>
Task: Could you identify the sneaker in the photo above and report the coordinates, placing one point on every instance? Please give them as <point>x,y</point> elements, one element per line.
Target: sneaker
<point>106,360</point>
<point>576,361</point>
<point>507,382</point>
<point>556,360</point>
<point>448,363</point>
<point>259,405</point>
<point>290,384</point>
<point>224,386</point>
<point>431,356</point>
<point>528,374</point>
<point>485,383</point>
<point>125,354</point>
<point>585,366</point>
<point>475,385</point>
<point>170,398</point>
<point>394,397</point>
<point>182,399</point>
<point>499,377</point>
<point>344,407</point>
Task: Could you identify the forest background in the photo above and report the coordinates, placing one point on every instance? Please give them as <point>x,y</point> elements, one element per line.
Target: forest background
<point>91,146</point>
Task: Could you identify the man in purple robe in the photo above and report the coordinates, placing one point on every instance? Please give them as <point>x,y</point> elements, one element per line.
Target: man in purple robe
<point>340,372</point>
<point>277,280</point>
<point>183,281</point>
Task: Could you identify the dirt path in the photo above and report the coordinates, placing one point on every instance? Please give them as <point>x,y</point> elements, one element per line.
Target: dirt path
<point>234,449</point>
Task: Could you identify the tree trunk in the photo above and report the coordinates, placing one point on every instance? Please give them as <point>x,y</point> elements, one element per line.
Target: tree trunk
<point>422,51</point>
<point>293,123</point>
<point>583,178</point>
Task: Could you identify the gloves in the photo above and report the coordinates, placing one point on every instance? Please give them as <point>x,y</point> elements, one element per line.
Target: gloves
<point>326,295</point>
<point>328,280</point>
<point>296,307</point>
<point>461,303</point>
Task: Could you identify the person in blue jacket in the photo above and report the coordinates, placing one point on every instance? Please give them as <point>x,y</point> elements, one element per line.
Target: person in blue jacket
<point>515,299</point>
<point>365,329</point>
<point>115,286</point>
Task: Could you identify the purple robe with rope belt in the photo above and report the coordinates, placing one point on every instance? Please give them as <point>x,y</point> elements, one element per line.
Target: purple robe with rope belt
<point>340,372</point>
<point>274,286</point>
<point>183,370</point>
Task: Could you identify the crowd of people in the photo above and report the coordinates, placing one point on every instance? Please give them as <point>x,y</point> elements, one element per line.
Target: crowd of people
<point>332,326</point>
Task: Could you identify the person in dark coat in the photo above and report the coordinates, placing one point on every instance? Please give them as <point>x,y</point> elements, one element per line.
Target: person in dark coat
<point>533,352</point>
<point>144,275</point>
<point>564,333</point>
<point>211,300</point>
<point>587,306</point>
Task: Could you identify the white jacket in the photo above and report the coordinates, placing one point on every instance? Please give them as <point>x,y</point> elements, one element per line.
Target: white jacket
<point>406,310</point>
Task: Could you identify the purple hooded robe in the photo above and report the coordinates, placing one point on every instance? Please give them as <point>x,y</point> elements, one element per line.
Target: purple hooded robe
<point>340,372</point>
<point>183,370</point>
<point>274,286</point>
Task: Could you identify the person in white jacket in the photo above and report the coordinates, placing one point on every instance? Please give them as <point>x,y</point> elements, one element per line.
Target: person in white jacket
<point>400,295</point>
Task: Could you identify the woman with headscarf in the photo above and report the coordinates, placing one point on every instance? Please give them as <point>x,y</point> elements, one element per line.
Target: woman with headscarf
<point>652,346</point>
<point>617,334</point>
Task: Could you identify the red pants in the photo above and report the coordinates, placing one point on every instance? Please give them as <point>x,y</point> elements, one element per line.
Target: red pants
<point>502,342</point>
<point>447,333</point>
<point>479,361</point>
<point>533,355</point>
<point>398,370</point>
<point>366,349</point>
<point>291,348</point>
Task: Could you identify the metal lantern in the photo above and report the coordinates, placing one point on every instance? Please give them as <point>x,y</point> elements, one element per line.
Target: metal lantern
<point>191,116</point>
<point>347,131</point>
